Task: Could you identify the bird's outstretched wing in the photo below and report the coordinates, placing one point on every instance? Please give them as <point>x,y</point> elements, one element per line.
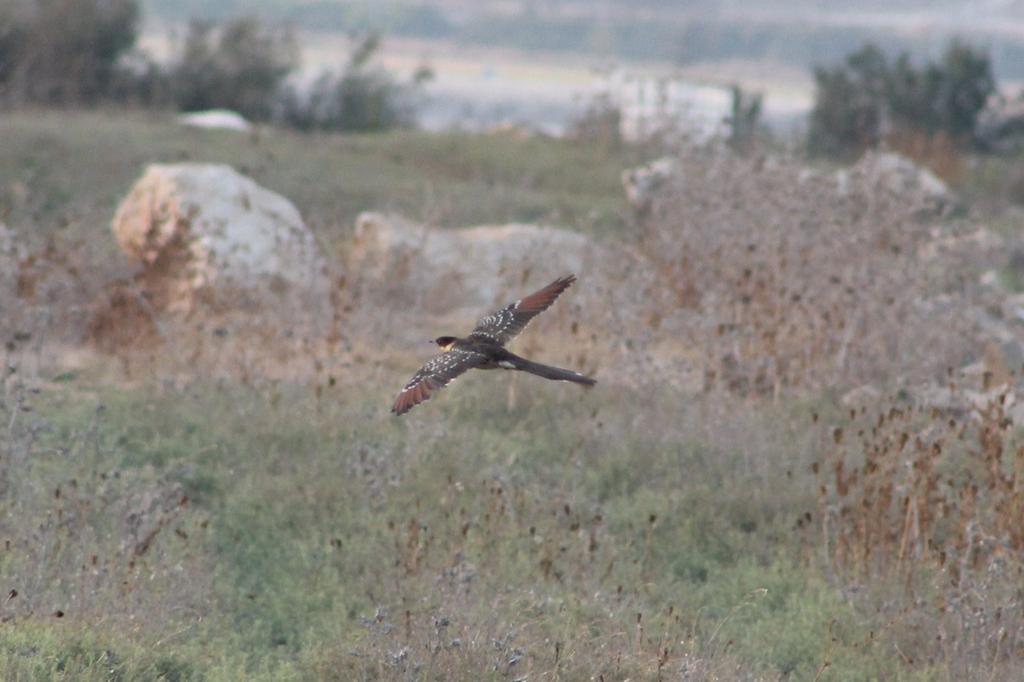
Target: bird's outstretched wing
<point>502,326</point>
<point>435,375</point>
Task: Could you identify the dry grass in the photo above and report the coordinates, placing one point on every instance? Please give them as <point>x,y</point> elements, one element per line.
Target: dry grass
<point>786,281</point>
<point>311,536</point>
<point>939,153</point>
<point>920,507</point>
<point>227,498</point>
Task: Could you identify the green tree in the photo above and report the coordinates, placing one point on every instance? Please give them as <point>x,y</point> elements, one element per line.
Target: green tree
<point>965,85</point>
<point>11,39</point>
<point>848,104</point>
<point>361,97</point>
<point>240,65</point>
<point>911,94</point>
<point>866,98</point>
<point>744,117</point>
<point>63,51</point>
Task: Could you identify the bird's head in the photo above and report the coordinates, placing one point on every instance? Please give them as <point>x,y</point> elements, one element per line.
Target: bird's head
<point>446,342</point>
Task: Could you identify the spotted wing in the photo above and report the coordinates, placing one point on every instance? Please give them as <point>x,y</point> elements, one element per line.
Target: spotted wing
<point>502,326</point>
<point>434,376</point>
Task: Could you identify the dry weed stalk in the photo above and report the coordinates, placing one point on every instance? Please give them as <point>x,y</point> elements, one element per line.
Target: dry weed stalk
<point>919,483</point>
<point>931,500</point>
<point>447,608</point>
<point>787,277</point>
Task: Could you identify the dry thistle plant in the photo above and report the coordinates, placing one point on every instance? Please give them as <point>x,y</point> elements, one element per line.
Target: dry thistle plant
<point>785,277</point>
<point>929,502</point>
<point>86,542</point>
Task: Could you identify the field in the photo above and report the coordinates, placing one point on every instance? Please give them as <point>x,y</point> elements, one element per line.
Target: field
<point>160,520</point>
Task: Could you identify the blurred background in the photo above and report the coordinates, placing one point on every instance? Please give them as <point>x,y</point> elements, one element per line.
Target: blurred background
<point>538,63</point>
<point>475,65</point>
<point>227,230</point>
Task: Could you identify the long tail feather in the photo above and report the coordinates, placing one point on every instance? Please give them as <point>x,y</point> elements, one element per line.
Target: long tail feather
<point>549,372</point>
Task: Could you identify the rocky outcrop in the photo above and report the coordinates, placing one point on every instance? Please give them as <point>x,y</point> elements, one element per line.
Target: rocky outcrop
<point>442,270</point>
<point>204,233</point>
<point>888,173</point>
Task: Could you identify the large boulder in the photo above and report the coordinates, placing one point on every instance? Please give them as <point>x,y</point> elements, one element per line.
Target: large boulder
<point>205,233</point>
<point>879,173</point>
<point>442,270</point>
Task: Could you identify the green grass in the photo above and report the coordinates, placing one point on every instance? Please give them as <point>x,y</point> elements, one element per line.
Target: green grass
<point>190,529</point>
<point>64,173</point>
<point>314,527</point>
<point>37,651</point>
<point>991,184</point>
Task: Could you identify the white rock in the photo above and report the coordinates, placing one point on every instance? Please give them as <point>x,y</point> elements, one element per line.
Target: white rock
<point>448,269</point>
<point>216,119</point>
<point>899,176</point>
<point>904,174</point>
<point>204,229</point>
<point>990,278</point>
<point>807,176</point>
<point>642,183</point>
<point>842,182</point>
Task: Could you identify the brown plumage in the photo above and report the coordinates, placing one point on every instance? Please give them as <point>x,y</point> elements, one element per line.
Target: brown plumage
<point>484,348</point>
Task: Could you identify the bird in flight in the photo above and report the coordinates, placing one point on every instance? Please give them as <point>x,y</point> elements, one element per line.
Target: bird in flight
<point>484,348</point>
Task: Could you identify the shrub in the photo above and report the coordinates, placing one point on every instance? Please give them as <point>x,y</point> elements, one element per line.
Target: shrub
<point>938,152</point>
<point>926,501</point>
<point>744,118</point>
<point>847,112</point>
<point>361,97</point>
<point>10,39</point>
<point>867,99</point>
<point>600,122</point>
<point>241,65</point>
<point>945,97</point>
<point>786,278</point>
<point>64,51</point>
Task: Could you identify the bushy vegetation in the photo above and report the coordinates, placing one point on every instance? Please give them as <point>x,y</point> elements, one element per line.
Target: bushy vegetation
<point>244,65</point>
<point>63,52</point>
<point>933,509</point>
<point>709,510</point>
<point>801,294</point>
<point>869,98</point>
<point>361,97</point>
<point>600,123</point>
<point>269,532</point>
<point>241,66</point>
<point>781,32</point>
<point>744,118</point>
